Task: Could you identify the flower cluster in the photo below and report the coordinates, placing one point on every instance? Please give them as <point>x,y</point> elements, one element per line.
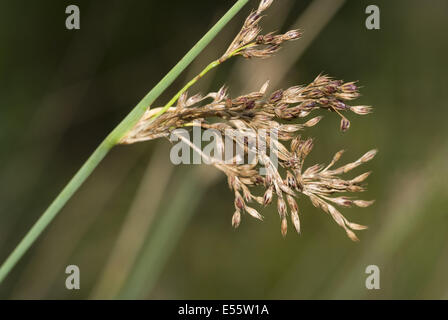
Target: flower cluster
<point>256,112</point>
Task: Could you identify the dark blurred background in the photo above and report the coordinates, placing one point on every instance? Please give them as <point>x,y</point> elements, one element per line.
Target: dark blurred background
<point>143,228</point>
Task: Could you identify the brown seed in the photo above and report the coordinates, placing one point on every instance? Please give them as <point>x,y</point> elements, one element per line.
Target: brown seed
<point>369,155</point>
<point>291,180</point>
<point>363,203</point>
<point>295,220</point>
<point>360,178</point>
<point>284,227</point>
<point>268,196</point>
<point>254,213</point>
<point>281,207</point>
<point>361,110</point>
<point>236,219</point>
<point>345,124</point>
<point>239,203</point>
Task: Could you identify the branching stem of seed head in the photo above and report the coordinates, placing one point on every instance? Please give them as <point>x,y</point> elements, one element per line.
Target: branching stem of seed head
<point>211,66</point>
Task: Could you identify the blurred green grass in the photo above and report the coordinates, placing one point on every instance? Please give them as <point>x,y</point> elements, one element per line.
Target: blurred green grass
<point>120,52</point>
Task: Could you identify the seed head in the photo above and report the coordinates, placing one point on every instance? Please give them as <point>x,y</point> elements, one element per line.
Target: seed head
<point>250,116</point>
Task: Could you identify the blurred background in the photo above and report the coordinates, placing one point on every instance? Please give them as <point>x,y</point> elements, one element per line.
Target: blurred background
<point>141,228</point>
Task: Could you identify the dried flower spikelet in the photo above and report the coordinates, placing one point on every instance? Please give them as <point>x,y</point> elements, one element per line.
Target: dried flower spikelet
<point>281,207</point>
<point>361,110</point>
<point>249,44</point>
<point>267,199</point>
<point>249,31</point>
<point>307,146</point>
<point>264,4</point>
<point>295,220</point>
<point>284,227</point>
<point>322,93</point>
<point>363,203</point>
<point>337,156</point>
<point>278,39</point>
<point>322,183</point>
<point>292,35</point>
<point>294,209</point>
<point>369,155</point>
<point>236,219</point>
<point>345,124</point>
<point>291,180</point>
<point>342,221</point>
<point>360,178</point>
<point>254,213</point>
<point>313,121</point>
<point>239,203</point>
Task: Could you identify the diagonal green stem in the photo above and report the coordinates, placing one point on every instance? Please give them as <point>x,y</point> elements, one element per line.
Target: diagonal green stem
<point>209,67</point>
<point>111,140</point>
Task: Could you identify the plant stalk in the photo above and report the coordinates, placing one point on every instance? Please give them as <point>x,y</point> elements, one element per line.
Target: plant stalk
<point>209,67</point>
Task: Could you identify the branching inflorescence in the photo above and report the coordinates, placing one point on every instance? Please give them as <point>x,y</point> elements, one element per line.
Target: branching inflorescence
<point>257,112</point>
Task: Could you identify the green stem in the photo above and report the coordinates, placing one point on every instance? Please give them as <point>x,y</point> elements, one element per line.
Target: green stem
<point>212,65</point>
<point>111,140</point>
<point>185,88</point>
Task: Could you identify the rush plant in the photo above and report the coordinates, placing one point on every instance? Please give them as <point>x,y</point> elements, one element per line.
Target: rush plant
<point>247,118</point>
<point>248,114</point>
